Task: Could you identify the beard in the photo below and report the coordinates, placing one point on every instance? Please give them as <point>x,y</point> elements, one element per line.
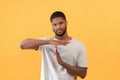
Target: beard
<point>62,33</point>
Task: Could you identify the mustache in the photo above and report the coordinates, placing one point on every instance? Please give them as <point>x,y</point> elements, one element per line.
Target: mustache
<point>59,29</point>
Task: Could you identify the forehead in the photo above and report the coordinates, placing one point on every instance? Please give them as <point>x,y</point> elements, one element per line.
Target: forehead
<point>58,19</point>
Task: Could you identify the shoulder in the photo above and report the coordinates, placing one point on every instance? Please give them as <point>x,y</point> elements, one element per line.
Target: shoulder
<point>77,42</point>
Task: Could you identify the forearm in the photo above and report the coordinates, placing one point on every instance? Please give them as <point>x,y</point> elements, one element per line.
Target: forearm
<point>79,71</point>
<point>32,43</point>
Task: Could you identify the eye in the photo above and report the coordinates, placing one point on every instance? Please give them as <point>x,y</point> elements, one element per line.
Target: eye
<point>61,23</point>
<point>54,24</point>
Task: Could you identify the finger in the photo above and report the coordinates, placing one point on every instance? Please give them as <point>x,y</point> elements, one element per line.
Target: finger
<point>65,42</point>
<point>55,52</point>
<point>55,46</point>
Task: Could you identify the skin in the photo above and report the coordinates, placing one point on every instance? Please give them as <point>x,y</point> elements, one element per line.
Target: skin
<point>59,26</point>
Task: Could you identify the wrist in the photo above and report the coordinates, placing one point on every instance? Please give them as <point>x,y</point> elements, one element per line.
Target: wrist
<point>61,63</point>
<point>49,41</point>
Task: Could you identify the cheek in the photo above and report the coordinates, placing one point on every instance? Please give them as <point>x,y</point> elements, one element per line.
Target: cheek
<point>63,25</point>
<point>54,28</point>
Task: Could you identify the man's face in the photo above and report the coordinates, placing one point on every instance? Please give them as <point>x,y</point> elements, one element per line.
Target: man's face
<point>59,26</point>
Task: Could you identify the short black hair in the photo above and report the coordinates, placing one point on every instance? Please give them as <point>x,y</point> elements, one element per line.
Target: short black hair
<point>57,14</point>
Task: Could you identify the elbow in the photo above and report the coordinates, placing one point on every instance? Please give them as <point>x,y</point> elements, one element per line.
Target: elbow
<point>82,77</point>
<point>23,44</point>
<point>83,74</point>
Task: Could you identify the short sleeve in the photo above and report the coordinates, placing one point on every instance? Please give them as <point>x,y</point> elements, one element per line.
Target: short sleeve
<point>82,60</point>
<point>40,46</point>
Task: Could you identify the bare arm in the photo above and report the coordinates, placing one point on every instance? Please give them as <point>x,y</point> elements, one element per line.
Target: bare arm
<point>35,43</point>
<point>32,43</point>
<point>78,71</point>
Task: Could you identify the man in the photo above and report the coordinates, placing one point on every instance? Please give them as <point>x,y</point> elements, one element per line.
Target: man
<point>64,58</point>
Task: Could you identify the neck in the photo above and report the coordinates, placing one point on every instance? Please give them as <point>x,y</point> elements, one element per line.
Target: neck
<point>64,37</point>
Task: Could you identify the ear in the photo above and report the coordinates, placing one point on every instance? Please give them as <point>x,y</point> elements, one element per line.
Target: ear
<point>66,22</point>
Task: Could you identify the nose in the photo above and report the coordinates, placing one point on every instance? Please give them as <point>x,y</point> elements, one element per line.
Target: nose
<point>58,26</point>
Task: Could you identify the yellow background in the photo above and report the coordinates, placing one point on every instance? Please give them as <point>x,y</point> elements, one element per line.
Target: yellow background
<point>95,22</point>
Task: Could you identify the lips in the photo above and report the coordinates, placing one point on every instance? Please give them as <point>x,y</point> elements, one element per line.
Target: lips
<point>59,31</point>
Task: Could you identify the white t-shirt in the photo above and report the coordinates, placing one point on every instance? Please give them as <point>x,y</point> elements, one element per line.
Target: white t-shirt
<point>73,53</point>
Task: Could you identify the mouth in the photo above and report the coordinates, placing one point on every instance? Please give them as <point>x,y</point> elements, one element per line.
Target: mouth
<point>59,31</point>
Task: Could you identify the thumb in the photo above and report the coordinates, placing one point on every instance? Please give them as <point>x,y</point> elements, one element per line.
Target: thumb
<point>55,50</point>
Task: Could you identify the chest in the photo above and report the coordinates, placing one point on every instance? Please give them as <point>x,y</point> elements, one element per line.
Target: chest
<point>69,53</point>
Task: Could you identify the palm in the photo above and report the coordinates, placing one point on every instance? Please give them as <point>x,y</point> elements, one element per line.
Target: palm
<point>56,43</point>
<point>59,60</point>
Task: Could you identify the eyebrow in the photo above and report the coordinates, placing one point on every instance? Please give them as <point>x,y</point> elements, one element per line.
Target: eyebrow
<point>60,22</point>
